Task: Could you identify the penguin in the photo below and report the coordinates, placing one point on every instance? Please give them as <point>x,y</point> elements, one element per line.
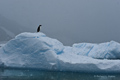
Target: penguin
<point>38,29</point>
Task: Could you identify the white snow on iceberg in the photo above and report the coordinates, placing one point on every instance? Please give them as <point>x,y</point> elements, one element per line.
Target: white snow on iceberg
<point>36,50</point>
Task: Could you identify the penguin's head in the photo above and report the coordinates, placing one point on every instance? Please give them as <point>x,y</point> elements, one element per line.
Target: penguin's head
<point>40,25</point>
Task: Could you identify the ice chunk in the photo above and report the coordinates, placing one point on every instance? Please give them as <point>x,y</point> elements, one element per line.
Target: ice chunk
<point>108,50</point>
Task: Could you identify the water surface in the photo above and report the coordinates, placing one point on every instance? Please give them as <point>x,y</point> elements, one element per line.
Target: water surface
<point>11,74</point>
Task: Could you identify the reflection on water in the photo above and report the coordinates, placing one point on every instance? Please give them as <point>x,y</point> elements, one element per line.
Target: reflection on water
<point>48,75</point>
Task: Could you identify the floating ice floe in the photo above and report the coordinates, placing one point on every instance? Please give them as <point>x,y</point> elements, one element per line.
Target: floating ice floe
<point>36,50</point>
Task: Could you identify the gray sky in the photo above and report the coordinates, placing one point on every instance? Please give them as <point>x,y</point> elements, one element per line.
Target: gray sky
<point>69,21</point>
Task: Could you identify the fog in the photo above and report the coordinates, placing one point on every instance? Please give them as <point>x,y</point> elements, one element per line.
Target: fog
<point>69,21</point>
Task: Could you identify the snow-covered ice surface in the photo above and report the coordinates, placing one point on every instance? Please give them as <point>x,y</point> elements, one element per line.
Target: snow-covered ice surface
<point>36,50</point>
<point>108,50</point>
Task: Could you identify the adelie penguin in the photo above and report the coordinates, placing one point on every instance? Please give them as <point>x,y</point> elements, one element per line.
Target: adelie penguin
<point>38,29</point>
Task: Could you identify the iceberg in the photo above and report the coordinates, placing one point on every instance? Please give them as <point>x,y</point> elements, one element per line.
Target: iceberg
<point>36,50</point>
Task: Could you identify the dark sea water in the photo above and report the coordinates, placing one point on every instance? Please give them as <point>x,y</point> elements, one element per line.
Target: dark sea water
<point>11,74</point>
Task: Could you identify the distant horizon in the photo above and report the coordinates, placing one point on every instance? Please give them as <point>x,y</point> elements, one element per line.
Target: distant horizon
<point>4,42</point>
